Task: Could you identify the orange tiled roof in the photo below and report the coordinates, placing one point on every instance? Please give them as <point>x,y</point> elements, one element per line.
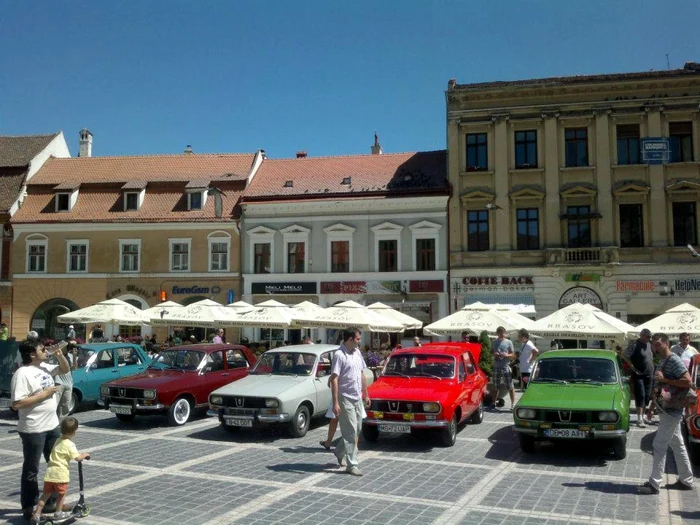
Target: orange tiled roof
<point>318,177</point>
<point>151,168</point>
<point>104,203</point>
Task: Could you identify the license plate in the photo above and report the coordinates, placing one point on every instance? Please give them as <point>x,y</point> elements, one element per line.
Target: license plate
<point>5,402</point>
<point>399,429</point>
<point>232,422</point>
<point>120,410</point>
<point>565,433</point>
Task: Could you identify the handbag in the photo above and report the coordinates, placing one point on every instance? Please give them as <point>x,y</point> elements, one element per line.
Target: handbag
<point>676,398</point>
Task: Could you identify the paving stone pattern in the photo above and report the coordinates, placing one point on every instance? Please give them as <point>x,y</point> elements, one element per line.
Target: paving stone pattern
<point>147,472</point>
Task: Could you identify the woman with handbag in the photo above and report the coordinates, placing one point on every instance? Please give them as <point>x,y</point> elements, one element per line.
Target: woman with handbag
<point>672,390</point>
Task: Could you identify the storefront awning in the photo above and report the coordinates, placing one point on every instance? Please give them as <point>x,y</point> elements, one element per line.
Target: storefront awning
<point>522,304</point>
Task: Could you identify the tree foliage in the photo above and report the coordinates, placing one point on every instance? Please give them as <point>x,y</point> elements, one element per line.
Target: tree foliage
<point>486,359</point>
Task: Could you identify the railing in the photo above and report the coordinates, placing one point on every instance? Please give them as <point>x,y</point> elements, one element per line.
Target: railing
<point>582,256</point>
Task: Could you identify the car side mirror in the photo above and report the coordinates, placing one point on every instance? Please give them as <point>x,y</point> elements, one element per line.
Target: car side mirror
<point>625,380</point>
<point>93,366</point>
<point>462,377</point>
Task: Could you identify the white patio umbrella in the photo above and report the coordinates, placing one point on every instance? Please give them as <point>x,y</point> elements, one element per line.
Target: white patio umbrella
<point>581,321</point>
<point>410,323</point>
<point>349,314</point>
<point>161,309</point>
<point>504,311</point>
<point>205,313</point>
<point>476,320</point>
<point>268,314</point>
<point>240,306</point>
<point>111,311</point>
<point>682,318</point>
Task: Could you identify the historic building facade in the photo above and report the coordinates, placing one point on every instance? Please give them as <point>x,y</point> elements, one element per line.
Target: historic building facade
<point>139,228</point>
<point>579,188</point>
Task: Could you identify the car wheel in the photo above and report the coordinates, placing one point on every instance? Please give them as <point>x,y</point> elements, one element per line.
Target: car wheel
<point>478,415</point>
<point>527,443</point>
<point>180,411</point>
<point>449,435</point>
<point>299,425</point>
<point>125,417</point>
<point>370,432</point>
<point>620,448</point>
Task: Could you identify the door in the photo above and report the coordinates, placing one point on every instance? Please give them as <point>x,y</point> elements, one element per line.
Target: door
<point>321,382</point>
<point>129,361</point>
<point>102,367</point>
<point>214,374</point>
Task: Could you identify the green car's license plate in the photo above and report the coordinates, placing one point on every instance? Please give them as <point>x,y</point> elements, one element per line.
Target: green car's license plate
<point>565,433</point>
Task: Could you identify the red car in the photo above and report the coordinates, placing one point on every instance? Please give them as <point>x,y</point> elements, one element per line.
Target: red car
<point>435,386</point>
<point>691,415</point>
<point>178,381</point>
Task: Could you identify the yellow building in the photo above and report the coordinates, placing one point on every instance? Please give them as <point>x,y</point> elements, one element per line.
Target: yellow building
<point>576,188</point>
<point>135,228</point>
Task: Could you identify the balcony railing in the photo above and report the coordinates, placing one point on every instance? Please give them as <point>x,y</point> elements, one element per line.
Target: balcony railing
<point>582,256</point>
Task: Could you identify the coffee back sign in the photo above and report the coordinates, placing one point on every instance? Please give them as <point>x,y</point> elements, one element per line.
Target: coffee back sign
<point>580,294</point>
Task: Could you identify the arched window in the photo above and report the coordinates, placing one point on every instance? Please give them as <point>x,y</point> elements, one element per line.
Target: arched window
<point>45,323</point>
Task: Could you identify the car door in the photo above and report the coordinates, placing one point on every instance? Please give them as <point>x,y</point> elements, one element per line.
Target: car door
<point>102,367</point>
<point>321,384</point>
<point>129,361</point>
<point>214,374</point>
<point>472,384</point>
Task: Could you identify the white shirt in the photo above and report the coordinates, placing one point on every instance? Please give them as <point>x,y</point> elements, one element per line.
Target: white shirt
<point>66,379</point>
<point>349,366</point>
<point>29,380</point>
<point>525,356</point>
<point>686,354</point>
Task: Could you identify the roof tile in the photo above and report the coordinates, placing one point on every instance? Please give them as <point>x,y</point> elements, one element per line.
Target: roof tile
<point>20,150</point>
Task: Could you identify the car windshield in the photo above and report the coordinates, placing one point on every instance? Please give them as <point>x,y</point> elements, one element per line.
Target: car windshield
<point>285,363</point>
<point>180,359</point>
<point>421,365</point>
<point>575,370</point>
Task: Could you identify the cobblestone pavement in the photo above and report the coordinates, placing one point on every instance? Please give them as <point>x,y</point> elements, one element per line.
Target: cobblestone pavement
<point>146,472</point>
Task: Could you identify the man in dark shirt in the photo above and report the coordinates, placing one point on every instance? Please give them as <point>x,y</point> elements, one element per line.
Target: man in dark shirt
<point>640,359</point>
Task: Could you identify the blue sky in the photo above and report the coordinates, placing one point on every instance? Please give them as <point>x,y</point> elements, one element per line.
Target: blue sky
<point>235,76</point>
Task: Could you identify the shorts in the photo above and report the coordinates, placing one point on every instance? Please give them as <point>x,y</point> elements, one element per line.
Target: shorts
<point>51,487</point>
<point>503,375</point>
<point>642,390</point>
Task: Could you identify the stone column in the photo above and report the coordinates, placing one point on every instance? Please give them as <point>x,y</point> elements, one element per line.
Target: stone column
<point>658,234</point>
<point>603,177</point>
<point>457,233</point>
<point>550,213</point>
<point>499,220</point>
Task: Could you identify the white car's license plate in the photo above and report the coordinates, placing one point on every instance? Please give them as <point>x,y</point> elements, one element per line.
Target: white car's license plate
<point>5,402</point>
<point>120,410</point>
<point>399,429</point>
<point>233,422</point>
<point>565,433</point>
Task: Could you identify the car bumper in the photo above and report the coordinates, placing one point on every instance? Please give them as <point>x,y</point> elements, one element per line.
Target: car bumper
<point>137,407</point>
<point>412,424</point>
<point>257,418</point>
<point>592,434</point>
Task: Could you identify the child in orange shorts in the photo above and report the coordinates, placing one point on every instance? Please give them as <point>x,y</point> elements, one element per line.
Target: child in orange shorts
<point>57,474</point>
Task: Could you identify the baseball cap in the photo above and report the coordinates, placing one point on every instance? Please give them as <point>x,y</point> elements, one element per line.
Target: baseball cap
<point>70,326</point>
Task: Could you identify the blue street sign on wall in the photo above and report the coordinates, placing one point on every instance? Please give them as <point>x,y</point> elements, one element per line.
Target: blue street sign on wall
<point>656,150</point>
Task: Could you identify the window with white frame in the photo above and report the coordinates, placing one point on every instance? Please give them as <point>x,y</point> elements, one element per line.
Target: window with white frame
<point>387,244</point>
<point>129,255</point>
<point>180,255</point>
<point>339,242</point>
<point>131,201</point>
<point>425,241</point>
<point>219,248</point>
<point>37,248</point>
<point>262,254</point>
<point>196,200</point>
<point>297,258</point>
<point>77,255</point>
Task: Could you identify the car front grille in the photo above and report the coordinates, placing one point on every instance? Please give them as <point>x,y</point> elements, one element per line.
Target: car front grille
<point>240,411</point>
<point>243,402</point>
<point>399,407</point>
<point>566,416</point>
<point>125,393</point>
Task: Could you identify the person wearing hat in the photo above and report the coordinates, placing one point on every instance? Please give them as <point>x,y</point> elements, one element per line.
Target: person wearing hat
<point>71,333</point>
<point>640,359</point>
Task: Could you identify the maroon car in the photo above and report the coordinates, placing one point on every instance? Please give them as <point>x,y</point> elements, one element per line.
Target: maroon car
<point>178,380</point>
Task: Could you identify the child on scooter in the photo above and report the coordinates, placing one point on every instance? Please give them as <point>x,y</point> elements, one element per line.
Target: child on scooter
<point>57,474</point>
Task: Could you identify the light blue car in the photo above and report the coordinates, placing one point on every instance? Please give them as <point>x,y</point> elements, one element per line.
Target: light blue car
<point>99,363</point>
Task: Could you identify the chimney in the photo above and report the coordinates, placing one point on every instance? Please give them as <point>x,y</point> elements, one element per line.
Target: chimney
<point>188,150</point>
<point>85,143</point>
<point>301,154</point>
<point>377,148</point>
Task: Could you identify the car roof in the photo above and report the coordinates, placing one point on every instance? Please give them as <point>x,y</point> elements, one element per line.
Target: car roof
<point>204,347</point>
<point>453,349</point>
<point>100,346</point>
<point>580,352</point>
<point>307,349</point>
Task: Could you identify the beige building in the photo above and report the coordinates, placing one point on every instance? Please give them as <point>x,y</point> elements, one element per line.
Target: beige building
<point>136,228</point>
<point>558,196</point>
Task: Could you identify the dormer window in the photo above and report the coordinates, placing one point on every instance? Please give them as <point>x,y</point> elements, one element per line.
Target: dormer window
<point>63,202</point>
<point>289,184</point>
<point>346,181</point>
<point>134,192</point>
<point>196,191</point>
<point>195,201</point>
<point>131,201</point>
<point>66,196</point>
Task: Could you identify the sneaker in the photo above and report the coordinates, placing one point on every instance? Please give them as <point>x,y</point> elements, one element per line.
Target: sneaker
<point>679,485</point>
<point>354,471</point>
<point>62,515</point>
<point>647,489</point>
<point>33,520</point>
<point>641,424</point>
<point>646,420</point>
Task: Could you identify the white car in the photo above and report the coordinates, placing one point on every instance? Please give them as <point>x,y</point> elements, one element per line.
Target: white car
<point>288,385</point>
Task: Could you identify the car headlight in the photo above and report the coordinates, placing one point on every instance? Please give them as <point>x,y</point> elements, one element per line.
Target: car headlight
<point>149,394</point>
<point>272,403</point>
<point>216,400</point>
<point>104,390</point>
<point>608,417</point>
<point>431,407</point>
<point>526,413</point>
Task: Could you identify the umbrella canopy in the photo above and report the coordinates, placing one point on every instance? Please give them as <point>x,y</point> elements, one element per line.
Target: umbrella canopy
<point>682,318</point>
<point>581,321</point>
<point>410,323</point>
<point>268,314</point>
<point>114,311</point>
<point>240,306</point>
<point>303,310</point>
<point>347,314</point>
<point>205,313</point>
<point>161,309</point>
<point>476,320</point>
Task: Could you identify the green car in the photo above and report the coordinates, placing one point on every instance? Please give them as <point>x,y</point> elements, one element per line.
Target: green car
<point>575,395</point>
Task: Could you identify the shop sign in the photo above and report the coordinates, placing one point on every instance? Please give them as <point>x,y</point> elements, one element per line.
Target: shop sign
<point>580,294</point>
<point>492,284</point>
<point>635,286</point>
<point>582,277</point>
<point>434,286</point>
<point>361,287</point>
<point>130,288</point>
<point>497,281</point>
<point>687,285</point>
<point>194,290</point>
<point>283,288</point>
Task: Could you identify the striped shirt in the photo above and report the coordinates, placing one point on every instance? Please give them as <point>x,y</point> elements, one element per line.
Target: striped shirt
<point>349,366</point>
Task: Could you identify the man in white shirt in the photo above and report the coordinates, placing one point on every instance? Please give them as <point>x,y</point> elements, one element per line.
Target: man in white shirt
<point>33,397</point>
<point>684,350</point>
<point>528,353</point>
<point>64,382</point>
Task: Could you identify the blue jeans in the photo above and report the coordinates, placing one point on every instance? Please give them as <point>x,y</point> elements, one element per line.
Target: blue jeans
<point>33,445</point>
